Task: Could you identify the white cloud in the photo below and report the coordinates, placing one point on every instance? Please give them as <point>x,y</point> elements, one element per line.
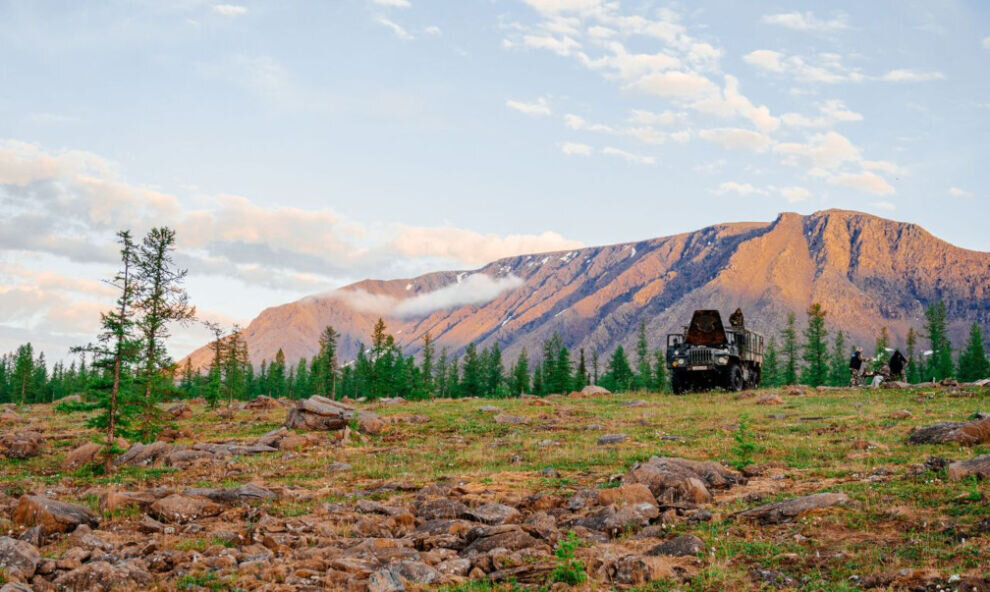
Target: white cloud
<point>825,151</point>
<point>551,7</point>
<point>766,59</point>
<point>628,156</point>
<point>794,194</point>
<point>880,165</point>
<point>563,45</point>
<point>433,31</point>
<point>830,112</point>
<point>575,149</point>
<point>738,139</point>
<point>538,108</point>
<point>676,85</point>
<point>865,181</point>
<point>737,188</point>
<point>476,288</point>
<point>731,103</point>
<point>903,75</point>
<point>392,3</point>
<point>642,117</point>
<point>807,22</point>
<point>230,9</point>
<point>958,192</point>
<point>828,68</point>
<point>399,31</point>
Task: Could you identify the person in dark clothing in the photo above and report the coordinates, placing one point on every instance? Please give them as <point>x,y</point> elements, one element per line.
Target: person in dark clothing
<point>855,367</point>
<point>736,319</point>
<point>897,364</point>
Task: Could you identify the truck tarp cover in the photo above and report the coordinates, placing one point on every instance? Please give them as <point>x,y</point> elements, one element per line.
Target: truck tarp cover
<point>706,328</point>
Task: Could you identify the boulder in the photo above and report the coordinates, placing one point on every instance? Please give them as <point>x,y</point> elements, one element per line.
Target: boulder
<point>680,546</point>
<point>415,572</point>
<point>102,576</point>
<point>967,433</point>
<point>637,570</point>
<point>18,557</point>
<point>895,384</point>
<point>594,389</point>
<point>678,481</point>
<point>262,403</point>
<point>369,423</point>
<point>180,411</point>
<point>788,510</point>
<point>184,508</point>
<point>609,439</point>
<point>493,513</point>
<point>144,455</point>
<point>111,501</point>
<point>384,580</point>
<point>624,495</point>
<point>51,515</point>
<point>81,456</point>
<point>490,409</point>
<point>901,414</point>
<point>483,539</point>
<point>26,444</point>
<point>319,414</point>
<point>442,509</point>
<point>769,399</point>
<point>244,493</point>
<point>978,466</point>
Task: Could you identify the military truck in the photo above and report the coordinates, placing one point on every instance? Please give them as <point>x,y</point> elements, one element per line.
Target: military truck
<point>708,355</point>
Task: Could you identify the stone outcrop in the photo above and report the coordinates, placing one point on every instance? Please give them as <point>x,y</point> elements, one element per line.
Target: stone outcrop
<point>51,515</point>
<point>967,433</point>
<point>788,510</point>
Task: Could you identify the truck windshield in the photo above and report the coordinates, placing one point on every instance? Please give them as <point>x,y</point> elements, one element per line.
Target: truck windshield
<point>674,339</point>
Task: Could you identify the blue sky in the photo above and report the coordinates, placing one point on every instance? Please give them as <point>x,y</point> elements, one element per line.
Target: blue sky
<point>300,146</point>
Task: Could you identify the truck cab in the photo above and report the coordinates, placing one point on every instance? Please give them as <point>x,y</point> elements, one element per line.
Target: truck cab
<point>708,355</point>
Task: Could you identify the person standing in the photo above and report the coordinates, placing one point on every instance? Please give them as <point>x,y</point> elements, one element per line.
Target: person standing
<point>897,364</point>
<point>855,367</point>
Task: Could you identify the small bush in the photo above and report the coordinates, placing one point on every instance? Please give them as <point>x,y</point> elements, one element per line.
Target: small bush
<point>569,570</point>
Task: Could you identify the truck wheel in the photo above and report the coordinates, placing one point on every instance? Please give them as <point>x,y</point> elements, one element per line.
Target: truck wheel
<point>678,384</point>
<point>735,382</point>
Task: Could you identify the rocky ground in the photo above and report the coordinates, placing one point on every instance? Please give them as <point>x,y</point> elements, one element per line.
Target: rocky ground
<point>838,489</point>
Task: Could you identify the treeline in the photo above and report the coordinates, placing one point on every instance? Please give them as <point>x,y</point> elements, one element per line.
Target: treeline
<point>815,360</point>
<point>382,370</point>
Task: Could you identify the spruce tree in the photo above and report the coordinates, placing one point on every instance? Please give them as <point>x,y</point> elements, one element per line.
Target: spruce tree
<point>594,366</point>
<point>277,385</point>
<point>562,373</point>
<point>973,363</point>
<point>815,349</point>
<point>324,369</point>
<point>520,374</point>
<point>234,352</point>
<point>770,370</point>
<point>440,374</point>
<point>619,376</point>
<point>471,372</point>
<point>940,363</point>
<point>789,352</point>
<point>426,386</point>
<point>659,383</point>
<point>214,390</point>
<point>839,365</point>
<point>23,372</point>
<point>581,374</point>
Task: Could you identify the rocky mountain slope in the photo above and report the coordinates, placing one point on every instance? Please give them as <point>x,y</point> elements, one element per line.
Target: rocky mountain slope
<point>867,272</point>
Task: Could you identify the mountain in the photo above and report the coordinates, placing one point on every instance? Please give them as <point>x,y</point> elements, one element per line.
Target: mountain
<point>867,272</point>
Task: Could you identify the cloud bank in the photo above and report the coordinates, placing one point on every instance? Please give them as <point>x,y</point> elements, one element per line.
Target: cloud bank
<point>473,289</point>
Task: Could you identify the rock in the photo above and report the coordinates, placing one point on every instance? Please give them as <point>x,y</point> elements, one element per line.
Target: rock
<point>901,414</point>
<point>26,444</point>
<point>594,389</point>
<point>978,466</point>
<point>483,539</point>
<point>492,513</point>
<point>83,537</point>
<point>149,525</point>
<point>262,403</point>
<point>184,458</point>
<point>442,509</point>
<point>968,433</point>
<point>294,442</point>
<point>895,384</point>
<point>369,423</point>
<point>391,401</point>
<point>635,403</point>
<point>490,409</point>
<point>273,437</point>
<point>81,456</point>
<point>18,557</point>
<point>788,510</point>
<point>504,418</point>
<point>16,587</point>
<point>144,455</point>
<point>609,439</point>
<point>180,411</point>
<point>631,493</point>
<point>51,515</point>
<point>415,572</point>
<point>244,493</point>
<point>101,576</point>
<point>636,570</point>
<point>680,546</point>
<point>184,508</point>
<point>111,501</point>
<point>772,578</point>
<point>769,399</point>
<point>550,473</point>
<point>319,414</point>
<point>384,580</point>
<point>457,566</point>
<point>675,481</point>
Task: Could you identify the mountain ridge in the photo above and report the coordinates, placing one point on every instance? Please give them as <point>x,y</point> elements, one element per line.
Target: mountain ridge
<point>867,271</point>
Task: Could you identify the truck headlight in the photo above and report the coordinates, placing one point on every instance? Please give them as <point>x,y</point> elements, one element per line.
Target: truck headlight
<point>722,360</point>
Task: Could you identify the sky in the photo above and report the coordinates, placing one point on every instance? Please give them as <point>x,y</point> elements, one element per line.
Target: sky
<point>300,146</point>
